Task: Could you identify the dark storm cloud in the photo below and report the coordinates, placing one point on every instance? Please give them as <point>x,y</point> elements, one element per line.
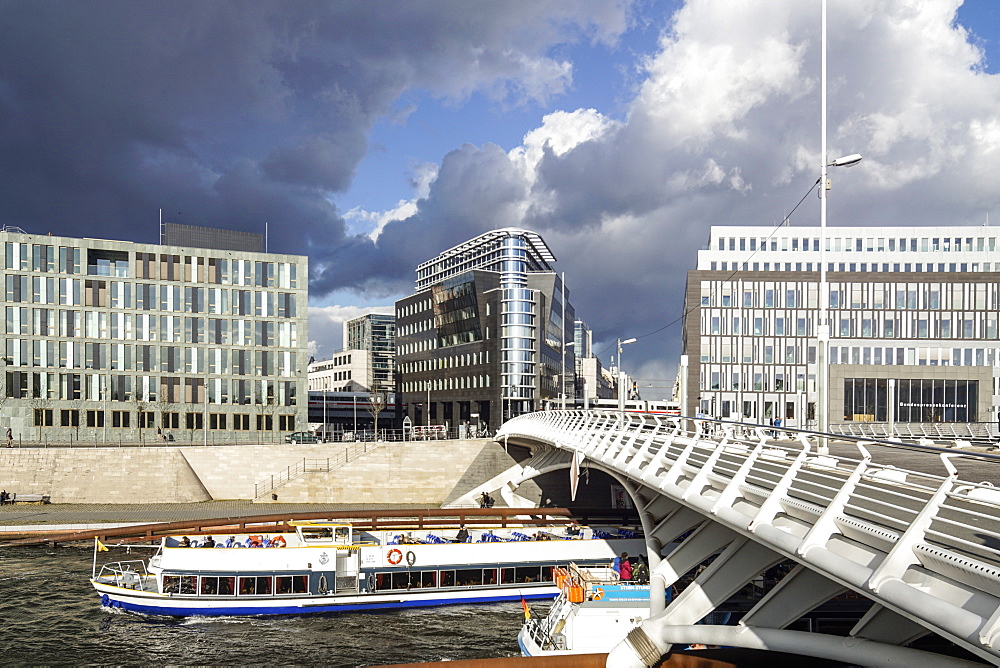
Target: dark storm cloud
<point>233,114</point>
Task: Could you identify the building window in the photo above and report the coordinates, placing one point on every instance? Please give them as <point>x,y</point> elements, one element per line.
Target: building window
<point>241,421</point>
<point>69,417</point>
<point>95,418</point>
<point>147,419</point>
<point>217,421</point>
<point>121,419</point>
<point>286,423</point>
<point>43,417</point>
<point>265,422</point>
<point>170,420</point>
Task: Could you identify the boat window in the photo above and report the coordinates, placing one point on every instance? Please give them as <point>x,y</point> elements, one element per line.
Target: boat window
<point>255,585</point>
<point>506,576</point>
<point>209,585</point>
<point>189,584</point>
<point>469,577</point>
<point>403,580</point>
<point>291,584</point>
<point>171,584</point>
<point>428,579</point>
<point>490,576</point>
<point>547,573</point>
<point>317,534</point>
<point>527,574</point>
<point>447,578</point>
<point>343,535</point>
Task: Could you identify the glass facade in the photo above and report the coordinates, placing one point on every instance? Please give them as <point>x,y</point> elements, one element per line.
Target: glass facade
<point>912,400</point>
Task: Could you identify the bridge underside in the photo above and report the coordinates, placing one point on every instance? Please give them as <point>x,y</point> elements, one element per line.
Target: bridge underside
<point>784,537</point>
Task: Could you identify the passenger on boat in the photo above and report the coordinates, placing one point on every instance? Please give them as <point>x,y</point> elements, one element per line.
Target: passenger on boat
<point>209,542</point>
<point>625,567</point>
<point>463,534</point>
<point>640,574</point>
<point>185,542</point>
<point>573,529</point>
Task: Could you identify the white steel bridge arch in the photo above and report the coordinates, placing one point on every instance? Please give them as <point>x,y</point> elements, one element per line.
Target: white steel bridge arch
<point>924,549</point>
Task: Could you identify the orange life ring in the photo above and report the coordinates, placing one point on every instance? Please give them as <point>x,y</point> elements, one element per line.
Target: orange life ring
<point>394,556</point>
<point>278,541</point>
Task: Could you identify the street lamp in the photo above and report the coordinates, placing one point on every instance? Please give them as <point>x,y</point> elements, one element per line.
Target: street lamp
<point>621,373</point>
<point>823,326</point>
<point>562,375</point>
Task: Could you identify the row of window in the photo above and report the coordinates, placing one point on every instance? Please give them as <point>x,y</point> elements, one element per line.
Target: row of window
<point>168,359</point>
<point>20,256</point>
<point>170,329</point>
<point>147,296</point>
<point>118,419</point>
<point>777,379</point>
<point>853,295</point>
<point>861,244</point>
<point>448,383</point>
<point>416,327</point>
<point>335,361</point>
<point>855,324</point>
<point>231,585</point>
<point>412,309</point>
<point>896,267</point>
<point>766,351</point>
<point>462,577</point>
<point>149,389</point>
<point>447,362</point>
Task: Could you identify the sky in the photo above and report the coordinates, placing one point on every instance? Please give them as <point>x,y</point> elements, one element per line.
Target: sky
<point>370,136</point>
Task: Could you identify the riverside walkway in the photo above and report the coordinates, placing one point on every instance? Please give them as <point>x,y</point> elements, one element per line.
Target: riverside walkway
<point>919,538</point>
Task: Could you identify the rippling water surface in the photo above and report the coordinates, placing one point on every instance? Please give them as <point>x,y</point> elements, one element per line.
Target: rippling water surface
<point>49,614</point>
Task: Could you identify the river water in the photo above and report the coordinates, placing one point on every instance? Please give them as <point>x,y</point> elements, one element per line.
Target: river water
<point>49,614</point>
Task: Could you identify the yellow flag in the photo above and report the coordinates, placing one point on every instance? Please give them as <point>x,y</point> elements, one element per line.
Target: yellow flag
<point>101,547</point>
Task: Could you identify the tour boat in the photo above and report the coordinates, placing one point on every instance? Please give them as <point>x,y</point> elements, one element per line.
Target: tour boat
<point>323,567</point>
<point>593,612</point>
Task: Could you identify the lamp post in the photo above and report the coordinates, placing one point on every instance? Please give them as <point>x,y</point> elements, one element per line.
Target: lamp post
<point>621,374</point>
<point>823,326</point>
<point>562,375</point>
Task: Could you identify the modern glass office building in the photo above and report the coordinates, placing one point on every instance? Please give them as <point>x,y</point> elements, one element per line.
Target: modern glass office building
<point>913,334</point>
<point>113,341</point>
<point>484,335</point>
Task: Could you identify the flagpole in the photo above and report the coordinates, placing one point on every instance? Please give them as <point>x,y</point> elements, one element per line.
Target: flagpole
<point>93,571</point>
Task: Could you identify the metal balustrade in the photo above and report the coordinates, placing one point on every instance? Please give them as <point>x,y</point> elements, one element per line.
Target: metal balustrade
<point>923,548</point>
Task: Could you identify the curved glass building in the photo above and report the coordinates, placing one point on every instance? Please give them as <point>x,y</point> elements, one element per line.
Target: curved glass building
<point>483,337</point>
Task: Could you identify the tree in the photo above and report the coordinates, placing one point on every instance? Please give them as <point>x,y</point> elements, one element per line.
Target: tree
<point>40,405</point>
<point>266,404</point>
<point>377,401</point>
<point>141,406</point>
<point>164,407</point>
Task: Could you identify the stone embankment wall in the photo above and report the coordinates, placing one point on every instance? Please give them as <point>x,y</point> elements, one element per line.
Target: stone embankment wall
<point>405,473</point>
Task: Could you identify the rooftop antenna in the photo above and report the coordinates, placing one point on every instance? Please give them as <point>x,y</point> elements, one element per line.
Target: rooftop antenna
<point>161,226</point>
<point>265,236</point>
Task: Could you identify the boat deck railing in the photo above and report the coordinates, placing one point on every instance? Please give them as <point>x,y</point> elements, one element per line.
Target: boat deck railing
<point>128,575</point>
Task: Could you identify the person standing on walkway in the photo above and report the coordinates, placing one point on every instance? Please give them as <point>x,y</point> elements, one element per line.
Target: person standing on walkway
<point>10,438</point>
